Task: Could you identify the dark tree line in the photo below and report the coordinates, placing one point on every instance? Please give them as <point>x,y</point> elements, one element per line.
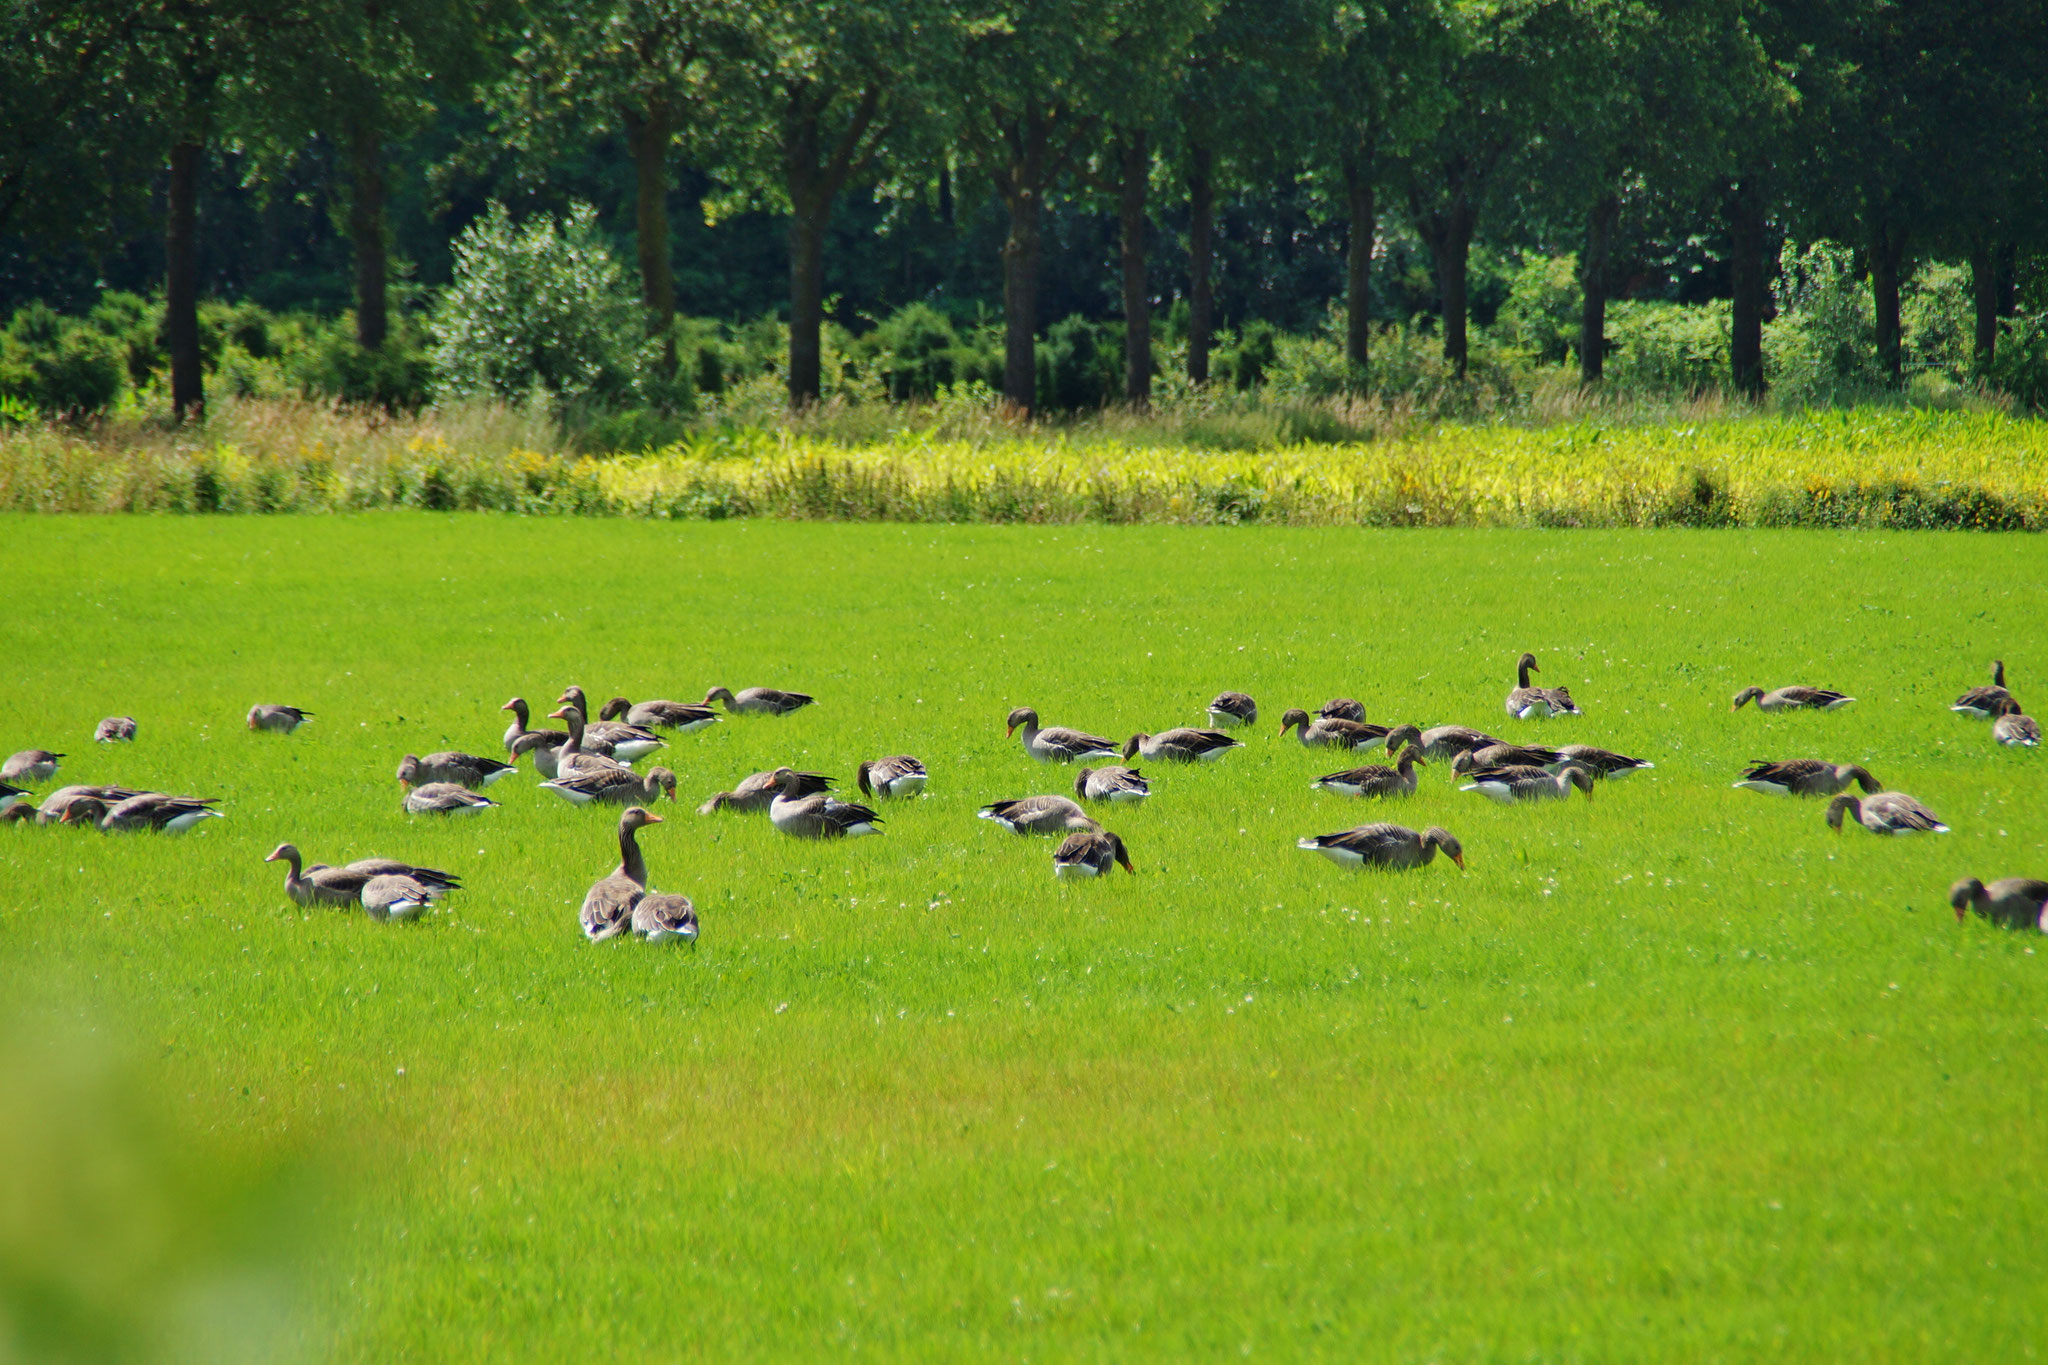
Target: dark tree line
<point>1908,128</point>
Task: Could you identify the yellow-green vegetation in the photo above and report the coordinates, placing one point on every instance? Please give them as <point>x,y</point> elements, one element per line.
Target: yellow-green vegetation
<point>1897,467</point>
<point>1674,1072</point>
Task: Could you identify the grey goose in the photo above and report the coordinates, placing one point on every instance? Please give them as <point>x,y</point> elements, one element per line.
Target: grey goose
<point>1394,847</point>
<point>2016,902</point>
<point>1038,815</point>
<point>1804,777</point>
<point>1885,813</point>
<point>817,815</point>
<point>1342,708</point>
<point>534,740</point>
<point>1984,702</point>
<point>1182,745</point>
<point>114,730</point>
<point>1441,743</point>
<point>680,716</point>
<point>1793,698</point>
<point>445,798</point>
<point>1056,743</point>
<point>1602,762</point>
<point>1233,708</point>
<point>1331,731</point>
<point>324,885</point>
<point>30,765</point>
<point>613,786</point>
<point>759,701</point>
<point>280,720</point>
<point>1537,703</point>
<point>155,812</point>
<point>1515,784</point>
<point>1113,783</point>
<point>898,775</point>
<point>466,770</point>
<point>1090,853</point>
<point>757,791</point>
<point>1505,755</point>
<point>627,742</point>
<point>16,814</point>
<point>620,901</point>
<point>1376,780</point>
<point>51,811</point>
<point>2015,727</point>
<point>394,895</point>
<point>579,753</point>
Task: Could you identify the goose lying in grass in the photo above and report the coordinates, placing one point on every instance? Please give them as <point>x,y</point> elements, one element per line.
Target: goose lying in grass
<point>465,770</point>
<point>1113,783</point>
<point>759,701</point>
<point>1984,703</point>
<point>614,786</point>
<point>1537,703</point>
<point>156,812</point>
<point>1090,853</point>
<point>817,815</point>
<point>620,901</point>
<point>1038,815</point>
<point>1885,813</point>
<point>757,791</point>
<point>680,716</point>
<point>1602,762</point>
<point>114,730</point>
<point>280,720</point>
<point>1393,847</point>
<point>445,798</point>
<point>1441,743</point>
<point>324,885</point>
<point>1376,780</point>
<point>899,776</point>
<point>51,811</point>
<point>1057,743</point>
<point>1233,708</point>
<point>30,765</point>
<point>393,895</point>
<point>1322,732</point>
<point>2014,727</point>
<point>1183,745</point>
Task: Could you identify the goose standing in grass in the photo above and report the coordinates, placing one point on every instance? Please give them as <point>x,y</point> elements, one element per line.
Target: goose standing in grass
<point>1505,755</point>
<point>1804,777</point>
<point>1442,743</point>
<point>900,775</point>
<point>1038,815</point>
<point>519,739</point>
<point>757,791</point>
<point>1395,847</point>
<point>1794,698</point>
<point>280,720</point>
<point>465,770</point>
<point>30,765</point>
<point>324,885</point>
<point>680,716</point>
<point>759,701</point>
<point>445,798</point>
<point>2014,726</point>
<point>1322,732</point>
<point>395,896</point>
<point>1983,703</point>
<point>1113,783</point>
<point>579,753</point>
<point>1885,813</point>
<point>613,786</point>
<point>155,812</point>
<point>1537,703</point>
<point>1090,853</point>
<point>114,730</point>
<point>1602,762</point>
<point>1342,708</point>
<point>1233,708</point>
<point>1182,745</point>
<point>609,905</point>
<point>2016,902</point>
<point>627,742</point>
<point>1517,783</point>
<point>818,815</point>
<point>1376,780</point>
<point>51,811</point>
<point>1056,743</point>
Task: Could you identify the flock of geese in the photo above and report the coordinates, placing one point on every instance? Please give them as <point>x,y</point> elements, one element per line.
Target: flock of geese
<point>588,762</point>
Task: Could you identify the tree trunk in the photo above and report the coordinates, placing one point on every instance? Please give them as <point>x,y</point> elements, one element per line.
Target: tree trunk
<point>649,134</point>
<point>1362,213</point>
<point>806,305</point>
<point>1593,288</point>
<point>181,282</point>
<point>1745,209</point>
<point>366,230</point>
<point>1448,234</point>
<point>1020,301</point>
<point>1887,259</point>
<point>1984,295</point>
<point>1201,247</point>
<point>1137,173</point>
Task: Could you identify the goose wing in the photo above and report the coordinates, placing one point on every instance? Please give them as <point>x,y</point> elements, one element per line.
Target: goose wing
<point>608,906</point>
<point>1074,743</point>
<point>1898,813</point>
<point>661,916</point>
<point>1984,701</point>
<point>1373,843</point>
<point>1604,762</point>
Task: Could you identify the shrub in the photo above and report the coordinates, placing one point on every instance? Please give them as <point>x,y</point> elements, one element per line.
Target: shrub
<point>1241,359</point>
<point>914,350</point>
<point>1823,343</point>
<point>397,377</point>
<point>2019,365</point>
<point>1668,345</point>
<point>135,325</point>
<point>1541,314</point>
<point>58,365</point>
<point>1080,364</point>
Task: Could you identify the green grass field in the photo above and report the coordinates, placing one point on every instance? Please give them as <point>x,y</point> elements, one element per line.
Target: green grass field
<point>1673,1074</point>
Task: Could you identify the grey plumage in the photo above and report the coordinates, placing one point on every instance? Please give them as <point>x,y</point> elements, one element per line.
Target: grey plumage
<point>1394,847</point>
<point>114,730</point>
<point>278,719</point>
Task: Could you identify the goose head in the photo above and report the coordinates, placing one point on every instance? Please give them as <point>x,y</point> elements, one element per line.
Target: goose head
<point>1524,666</point>
<point>1131,744</point>
<point>1295,716</point>
<point>409,771</point>
<point>1437,837</point>
<point>83,810</point>
<point>662,778</point>
<point>1119,852</point>
<point>1840,806</point>
<point>637,817</point>
<point>1963,895</point>
<point>1411,757</point>
<point>1861,777</point>
<point>572,695</point>
<point>615,708</point>
<point>2007,706</point>
<point>723,694</point>
<point>517,706</point>
<point>1745,697</point>
<point>1578,777</point>
<point>1403,734</point>
<point>1024,716</point>
<point>286,853</point>
<point>1462,762</point>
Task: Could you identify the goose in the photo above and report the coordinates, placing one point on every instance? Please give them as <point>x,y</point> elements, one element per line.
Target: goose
<point>1089,853</point>
<point>1443,742</point>
<point>517,731</point>
<point>1506,755</point>
<point>900,775</point>
<point>1983,702</point>
<point>1537,703</point>
<point>818,815</point>
<point>278,719</point>
<point>1182,745</point>
<point>1057,744</point>
<point>10,795</point>
<point>546,756</point>
<point>395,896</point>
<point>1388,846</point>
<point>679,716</point>
<point>628,742</point>
<point>579,753</point>
<point>2017,902</point>
<point>466,770</point>
<point>157,812</point>
<point>30,765</point>
<point>1376,780</point>
<point>1329,731</point>
<point>1804,777</point>
<point>1342,708</point>
<point>114,730</point>
<point>614,786</point>
<point>761,701</point>
<point>608,906</point>
<point>16,814</point>
<point>758,790</point>
<point>2014,726</point>
<point>1885,813</point>
<point>1038,815</point>
<point>1233,708</point>
<point>1519,783</point>
<point>1602,762</point>
<point>54,805</point>
<point>1113,783</point>
<point>445,798</point>
<point>1793,698</point>
<point>324,885</point>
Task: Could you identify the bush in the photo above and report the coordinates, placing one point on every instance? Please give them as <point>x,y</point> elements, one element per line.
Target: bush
<point>1241,359</point>
<point>135,325</point>
<point>542,308</point>
<point>1541,314</point>
<point>1823,344</point>
<point>397,377</point>
<point>1938,318</point>
<point>1080,365</point>
<point>915,352</point>
<point>58,365</point>
<point>1668,345</point>
<point>2019,365</point>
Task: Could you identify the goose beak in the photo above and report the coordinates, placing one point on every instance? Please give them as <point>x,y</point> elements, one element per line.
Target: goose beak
<point>1010,732</point>
<point>1459,859</point>
<point>654,819</point>
<point>557,713</point>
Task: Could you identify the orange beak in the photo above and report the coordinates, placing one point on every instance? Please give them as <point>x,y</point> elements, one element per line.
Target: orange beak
<point>1009,732</point>
<point>1459,859</point>
<point>654,819</point>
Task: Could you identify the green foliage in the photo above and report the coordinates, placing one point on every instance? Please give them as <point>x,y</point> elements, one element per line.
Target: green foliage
<point>397,376</point>
<point>2019,366</point>
<point>58,365</point>
<point>1665,346</point>
<point>1541,314</point>
<point>1823,343</point>
<point>1080,365</point>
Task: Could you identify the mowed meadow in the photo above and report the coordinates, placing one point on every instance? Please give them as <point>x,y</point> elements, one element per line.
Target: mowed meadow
<point>1673,1073</point>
